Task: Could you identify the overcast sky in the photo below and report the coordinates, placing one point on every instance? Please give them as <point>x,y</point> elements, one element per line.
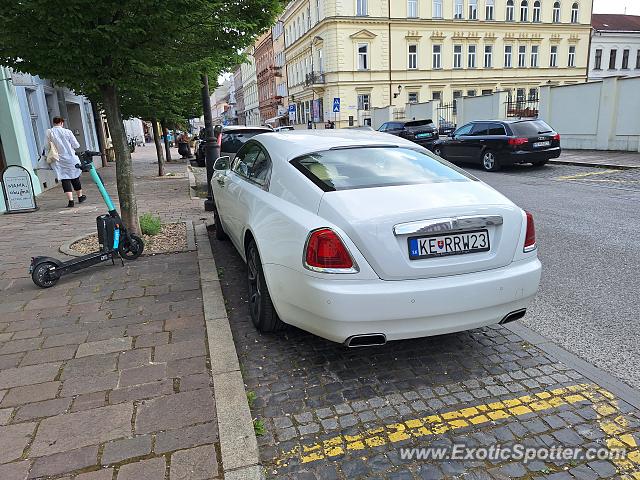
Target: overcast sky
<point>616,6</point>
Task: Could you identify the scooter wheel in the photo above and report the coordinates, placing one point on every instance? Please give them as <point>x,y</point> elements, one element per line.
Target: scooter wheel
<point>43,275</point>
<point>131,248</point>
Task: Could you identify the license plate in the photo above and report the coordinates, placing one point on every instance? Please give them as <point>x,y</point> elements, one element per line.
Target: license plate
<point>423,135</point>
<point>541,144</point>
<point>451,244</point>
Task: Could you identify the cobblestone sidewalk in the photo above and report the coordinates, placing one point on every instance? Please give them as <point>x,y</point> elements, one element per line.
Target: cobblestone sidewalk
<point>105,375</point>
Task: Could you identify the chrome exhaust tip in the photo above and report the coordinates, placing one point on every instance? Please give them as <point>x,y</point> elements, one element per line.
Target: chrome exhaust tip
<point>366,340</point>
<point>513,316</point>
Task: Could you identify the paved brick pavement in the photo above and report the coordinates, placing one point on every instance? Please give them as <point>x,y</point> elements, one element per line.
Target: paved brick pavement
<point>336,413</point>
<point>105,375</point>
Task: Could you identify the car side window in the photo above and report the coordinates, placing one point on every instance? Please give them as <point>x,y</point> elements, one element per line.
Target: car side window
<point>496,129</point>
<point>384,126</point>
<point>479,129</point>
<point>464,130</point>
<point>261,169</point>
<point>243,163</point>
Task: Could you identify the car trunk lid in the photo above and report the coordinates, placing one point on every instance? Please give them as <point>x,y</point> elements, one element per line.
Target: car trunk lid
<point>370,215</point>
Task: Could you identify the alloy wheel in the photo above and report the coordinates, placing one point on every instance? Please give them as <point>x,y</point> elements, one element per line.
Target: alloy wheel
<point>489,161</point>
<point>253,276</point>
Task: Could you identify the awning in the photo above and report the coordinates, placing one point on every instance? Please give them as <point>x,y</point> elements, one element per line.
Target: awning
<point>275,119</point>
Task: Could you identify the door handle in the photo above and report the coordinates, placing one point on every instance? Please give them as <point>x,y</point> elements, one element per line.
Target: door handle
<point>481,141</point>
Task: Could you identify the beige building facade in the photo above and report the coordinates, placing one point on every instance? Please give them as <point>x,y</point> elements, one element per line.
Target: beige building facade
<point>375,53</point>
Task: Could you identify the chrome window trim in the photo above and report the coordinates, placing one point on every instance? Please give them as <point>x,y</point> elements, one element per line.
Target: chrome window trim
<point>450,224</point>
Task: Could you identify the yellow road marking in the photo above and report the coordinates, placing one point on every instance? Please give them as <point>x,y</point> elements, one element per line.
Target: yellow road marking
<point>583,175</point>
<point>436,424</point>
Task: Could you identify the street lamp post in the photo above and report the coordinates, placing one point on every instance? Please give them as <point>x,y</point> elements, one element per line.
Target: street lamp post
<point>211,147</point>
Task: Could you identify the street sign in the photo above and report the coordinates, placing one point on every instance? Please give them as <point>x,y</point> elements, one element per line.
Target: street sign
<point>292,112</point>
<point>336,104</point>
<point>17,187</point>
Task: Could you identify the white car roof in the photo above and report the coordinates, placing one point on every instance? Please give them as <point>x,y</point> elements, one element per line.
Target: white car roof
<point>292,144</point>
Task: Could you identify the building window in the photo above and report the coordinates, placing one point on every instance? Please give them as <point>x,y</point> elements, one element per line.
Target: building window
<point>533,94</point>
<point>471,56</point>
<point>553,57</point>
<point>413,97</point>
<point>612,59</point>
<point>572,56</point>
<point>522,56</point>
<point>456,95</point>
<point>534,56</point>
<point>412,8</point>
<point>598,59</point>
<point>437,8</point>
<point>364,101</point>
<point>574,13</point>
<point>488,56</point>
<point>471,93</point>
<point>458,11</point>
<point>556,12</point>
<point>638,60</point>
<point>536,11</point>
<point>488,10</point>
<point>473,9</point>
<point>508,49</point>
<point>436,95</point>
<point>457,56</point>
<point>363,56</point>
<point>524,11</point>
<point>510,11</point>
<point>361,8</point>
<point>413,57</point>
<point>437,50</point>
<point>487,91</point>
<point>625,58</point>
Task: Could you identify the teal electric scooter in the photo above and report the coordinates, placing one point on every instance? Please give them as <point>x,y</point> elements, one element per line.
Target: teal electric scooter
<point>113,237</point>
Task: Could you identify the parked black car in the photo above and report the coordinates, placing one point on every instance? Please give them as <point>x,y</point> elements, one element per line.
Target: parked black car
<point>233,137</point>
<point>496,143</point>
<point>422,132</point>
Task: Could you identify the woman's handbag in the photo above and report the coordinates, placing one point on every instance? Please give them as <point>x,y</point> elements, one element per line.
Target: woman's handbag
<point>52,154</point>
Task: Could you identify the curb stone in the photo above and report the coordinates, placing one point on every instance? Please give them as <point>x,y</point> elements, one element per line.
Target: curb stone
<point>594,165</point>
<point>238,443</point>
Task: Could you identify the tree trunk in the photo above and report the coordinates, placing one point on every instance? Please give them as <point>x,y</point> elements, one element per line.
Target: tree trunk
<point>165,132</point>
<point>124,177</point>
<point>156,141</point>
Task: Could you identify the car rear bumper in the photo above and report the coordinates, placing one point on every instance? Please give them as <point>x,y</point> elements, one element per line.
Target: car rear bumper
<point>528,157</point>
<point>425,142</point>
<point>337,309</point>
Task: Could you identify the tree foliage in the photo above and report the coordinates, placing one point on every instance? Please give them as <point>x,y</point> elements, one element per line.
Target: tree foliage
<point>134,53</point>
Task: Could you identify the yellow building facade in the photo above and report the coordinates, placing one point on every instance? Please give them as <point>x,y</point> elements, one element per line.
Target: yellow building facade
<point>376,53</point>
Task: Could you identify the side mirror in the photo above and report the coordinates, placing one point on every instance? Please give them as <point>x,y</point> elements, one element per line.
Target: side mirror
<point>222,163</point>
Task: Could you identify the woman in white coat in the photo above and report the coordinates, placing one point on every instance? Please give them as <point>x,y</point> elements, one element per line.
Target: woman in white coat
<point>65,168</point>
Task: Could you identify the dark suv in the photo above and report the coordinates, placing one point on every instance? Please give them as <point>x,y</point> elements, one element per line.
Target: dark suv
<point>422,132</point>
<point>233,137</point>
<point>495,143</point>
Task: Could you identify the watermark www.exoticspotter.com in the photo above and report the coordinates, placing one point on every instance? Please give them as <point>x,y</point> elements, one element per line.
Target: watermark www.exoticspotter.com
<point>517,452</point>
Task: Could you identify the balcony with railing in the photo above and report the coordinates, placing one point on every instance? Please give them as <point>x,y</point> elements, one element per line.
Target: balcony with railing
<point>314,78</point>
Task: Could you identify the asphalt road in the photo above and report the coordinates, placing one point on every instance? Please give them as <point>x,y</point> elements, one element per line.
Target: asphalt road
<point>587,225</point>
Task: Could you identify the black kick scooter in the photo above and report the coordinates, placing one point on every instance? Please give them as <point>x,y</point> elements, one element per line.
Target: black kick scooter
<point>113,236</point>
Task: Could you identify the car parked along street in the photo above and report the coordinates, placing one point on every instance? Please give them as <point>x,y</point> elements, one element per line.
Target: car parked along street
<point>422,132</point>
<point>493,144</point>
<point>361,237</point>
<point>233,137</point>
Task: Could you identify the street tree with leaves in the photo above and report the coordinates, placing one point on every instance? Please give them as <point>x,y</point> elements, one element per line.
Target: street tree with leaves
<point>108,49</point>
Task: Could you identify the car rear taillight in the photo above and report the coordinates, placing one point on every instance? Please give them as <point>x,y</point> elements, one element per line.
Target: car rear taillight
<point>530,237</point>
<point>325,250</point>
<point>518,141</point>
<point>556,137</point>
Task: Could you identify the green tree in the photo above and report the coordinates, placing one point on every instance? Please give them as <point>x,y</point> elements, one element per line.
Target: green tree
<point>109,48</point>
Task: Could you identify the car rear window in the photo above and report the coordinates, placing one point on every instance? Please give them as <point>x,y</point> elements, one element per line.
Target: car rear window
<point>418,123</point>
<point>530,128</point>
<point>232,141</point>
<point>365,167</point>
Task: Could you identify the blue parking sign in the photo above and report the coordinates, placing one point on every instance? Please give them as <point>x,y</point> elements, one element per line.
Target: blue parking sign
<point>336,104</point>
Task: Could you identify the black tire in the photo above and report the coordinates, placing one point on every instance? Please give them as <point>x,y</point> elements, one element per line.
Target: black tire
<point>131,248</point>
<point>220,233</point>
<point>263,314</point>
<point>42,275</point>
<point>490,161</point>
<point>540,163</point>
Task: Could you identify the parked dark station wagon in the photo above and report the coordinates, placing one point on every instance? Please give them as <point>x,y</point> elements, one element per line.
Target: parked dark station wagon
<point>422,132</point>
<point>493,144</point>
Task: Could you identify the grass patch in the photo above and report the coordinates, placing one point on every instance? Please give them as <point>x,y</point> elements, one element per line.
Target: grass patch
<point>251,398</point>
<point>150,225</point>
<point>258,427</point>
